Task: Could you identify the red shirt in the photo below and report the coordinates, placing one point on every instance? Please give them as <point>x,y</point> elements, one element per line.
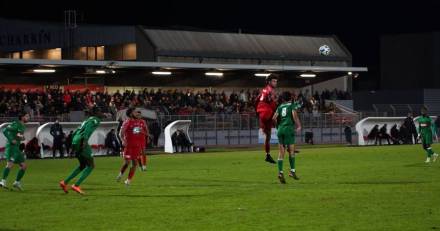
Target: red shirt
<point>67,98</point>
<point>266,99</point>
<point>135,133</point>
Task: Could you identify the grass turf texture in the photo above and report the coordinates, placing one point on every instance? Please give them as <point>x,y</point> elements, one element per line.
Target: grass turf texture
<point>343,188</point>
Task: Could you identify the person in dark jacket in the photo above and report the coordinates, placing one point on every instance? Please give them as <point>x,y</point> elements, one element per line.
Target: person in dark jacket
<point>409,124</point>
<point>32,149</point>
<point>405,136</point>
<point>374,134</point>
<point>69,144</point>
<point>155,132</point>
<point>347,133</point>
<point>112,143</point>
<point>383,134</point>
<point>395,137</point>
<point>56,130</point>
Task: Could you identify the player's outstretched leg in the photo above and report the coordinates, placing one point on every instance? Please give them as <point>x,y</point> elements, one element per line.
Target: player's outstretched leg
<point>429,152</point>
<point>267,147</point>
<point>6,174</point>
<point>20,174</point>
<point>122,171</point>
<point>65,182</point>
<point>89,166</point>
<point>143,162</point>
<point>292,172</point>
<point>434,157</point>
<point>131,173</point>
<point>280,164</point>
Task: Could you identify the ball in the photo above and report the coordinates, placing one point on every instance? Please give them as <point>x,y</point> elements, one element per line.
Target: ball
<point>324,50</point>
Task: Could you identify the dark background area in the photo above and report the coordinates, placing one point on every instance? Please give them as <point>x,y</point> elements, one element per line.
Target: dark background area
<point>358,24</point>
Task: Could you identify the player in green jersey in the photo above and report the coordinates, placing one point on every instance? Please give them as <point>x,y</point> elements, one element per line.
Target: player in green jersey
<point>426,132</point>
<point>83,151</point>
<point>14,134</point>
<point>286,119</point>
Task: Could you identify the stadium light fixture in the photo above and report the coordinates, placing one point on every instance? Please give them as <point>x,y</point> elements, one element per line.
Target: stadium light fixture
<point>161,72</point>
<point>218,74</point>
<point>308,75</point>
<point>262,74</point>
<point>44,70</point>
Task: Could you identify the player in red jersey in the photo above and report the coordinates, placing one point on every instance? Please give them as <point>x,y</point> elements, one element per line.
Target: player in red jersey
<point>266,106</point>
<point>133,133</point>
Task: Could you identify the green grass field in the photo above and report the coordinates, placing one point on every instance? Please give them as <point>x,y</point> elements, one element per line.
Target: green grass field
<point>343,188</point>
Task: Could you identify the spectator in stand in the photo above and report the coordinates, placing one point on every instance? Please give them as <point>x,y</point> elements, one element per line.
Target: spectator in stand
<point>54,102</point>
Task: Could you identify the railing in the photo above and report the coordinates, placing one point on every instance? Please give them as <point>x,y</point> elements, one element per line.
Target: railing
<point>397,109</point>
<point>243,129</point>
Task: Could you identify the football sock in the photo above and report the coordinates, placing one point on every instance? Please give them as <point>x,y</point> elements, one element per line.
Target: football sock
<point>292,162</point>
<point>124,167</point>
<point>72,175</point>
<point>20,174</point>
<point>131,173</point>
<point>280,165</point>
<point>84,175</point>
<point>429,151</point>
<point>6,173</point>
<point>144,160</point>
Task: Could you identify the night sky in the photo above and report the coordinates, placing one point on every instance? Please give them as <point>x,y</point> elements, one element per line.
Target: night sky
<point>359,24</point>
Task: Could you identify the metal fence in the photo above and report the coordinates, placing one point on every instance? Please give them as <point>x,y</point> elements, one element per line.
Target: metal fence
<point>243,129</point>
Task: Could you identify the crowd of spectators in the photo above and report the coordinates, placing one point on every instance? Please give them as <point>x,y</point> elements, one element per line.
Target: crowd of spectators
<point>55,102</point>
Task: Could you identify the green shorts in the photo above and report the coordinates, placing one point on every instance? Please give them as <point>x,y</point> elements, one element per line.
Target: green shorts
<point>85,151</point>
<point>13,154</point>
<point>286,136</point>
<point>426,139</point>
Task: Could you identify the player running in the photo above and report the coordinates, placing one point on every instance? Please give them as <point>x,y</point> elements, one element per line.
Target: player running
<point>266,105</point>
<point>286,120</point>
<point>83,151</point>
<point>133,135</point>
<point>426,131</point>
<point>14,134</point>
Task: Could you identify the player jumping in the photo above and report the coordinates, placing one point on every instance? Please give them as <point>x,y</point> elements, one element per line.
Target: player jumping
<point>266,105</point>
<point>286,119</point>
<point>133,133</point>
<point>83,151</point>
<point>426,131</point>
<point>14,134</point>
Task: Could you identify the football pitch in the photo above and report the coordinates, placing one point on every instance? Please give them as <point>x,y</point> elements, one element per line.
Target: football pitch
<point>341,188</point>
